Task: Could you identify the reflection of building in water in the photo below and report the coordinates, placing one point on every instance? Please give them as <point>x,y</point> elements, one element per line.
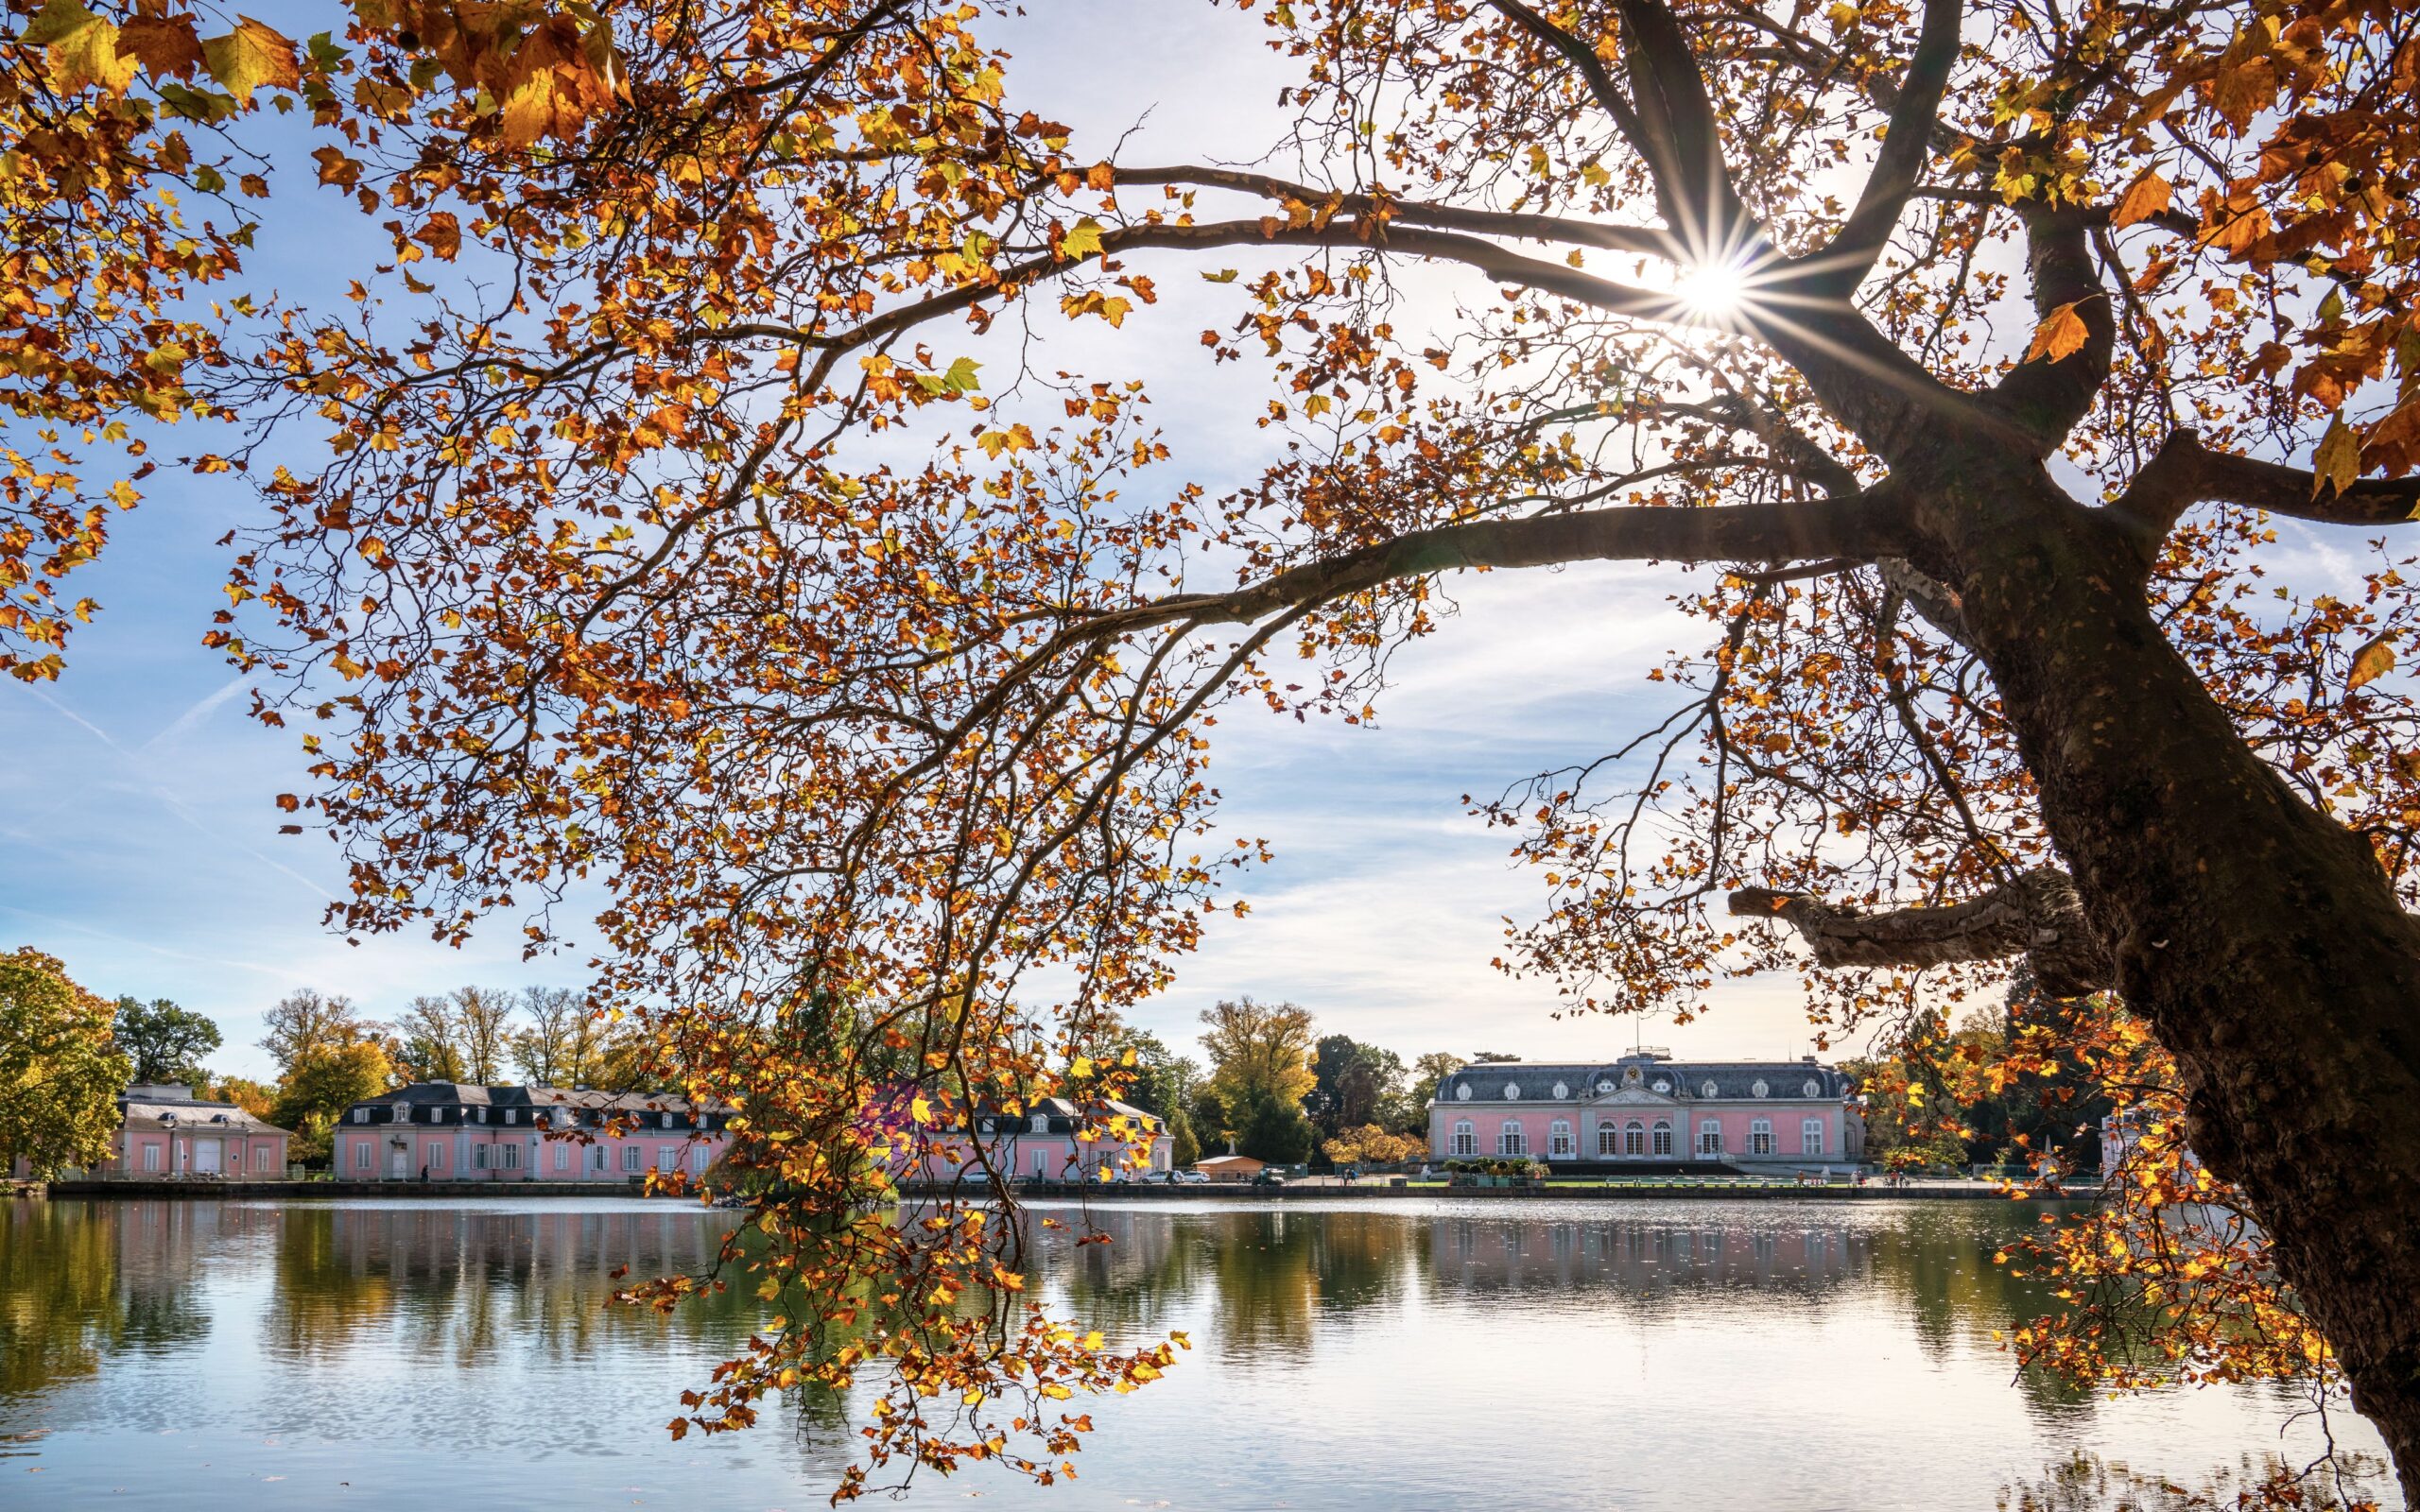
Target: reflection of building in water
<point>1483,1252</point>
<point>1647,1108</point>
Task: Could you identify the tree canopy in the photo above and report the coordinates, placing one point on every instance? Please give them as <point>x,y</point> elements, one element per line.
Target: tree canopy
<point>60,1072</point>
<point>168,1042</point>
<point>647,517</point>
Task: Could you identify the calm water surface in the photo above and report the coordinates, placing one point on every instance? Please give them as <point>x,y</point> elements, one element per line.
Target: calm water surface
<point>1635,1356</point>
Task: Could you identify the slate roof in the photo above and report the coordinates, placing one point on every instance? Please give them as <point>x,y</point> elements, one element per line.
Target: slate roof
<point>147,1108</point>
<point>471,1097</point>
<point>1732,1080</point>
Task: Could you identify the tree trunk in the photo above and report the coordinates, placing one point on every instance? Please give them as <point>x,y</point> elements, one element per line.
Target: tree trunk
<point>2261,939</point>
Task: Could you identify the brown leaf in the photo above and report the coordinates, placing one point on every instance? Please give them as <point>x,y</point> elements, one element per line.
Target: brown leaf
<point>164,46</point>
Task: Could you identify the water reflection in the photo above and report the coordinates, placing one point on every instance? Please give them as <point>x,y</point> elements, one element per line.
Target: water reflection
<point>1361,1356</point>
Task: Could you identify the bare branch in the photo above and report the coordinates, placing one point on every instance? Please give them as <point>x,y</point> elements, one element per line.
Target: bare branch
<point>2184,472</point>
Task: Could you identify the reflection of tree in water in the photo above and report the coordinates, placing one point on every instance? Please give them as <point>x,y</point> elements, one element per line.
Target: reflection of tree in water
<point>456,1286</point>
<point>1268,1278</point>
<point>81,1282</point>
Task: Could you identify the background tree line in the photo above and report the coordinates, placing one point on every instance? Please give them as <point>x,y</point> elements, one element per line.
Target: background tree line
<point>1272,1086</point>
<point>67,1054</point>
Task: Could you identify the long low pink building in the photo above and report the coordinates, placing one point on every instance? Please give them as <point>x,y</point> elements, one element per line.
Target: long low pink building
<point>1646,1107</point>
<point>1053,1140</point>
<point>164,1130</point>
<point>451,1131</point>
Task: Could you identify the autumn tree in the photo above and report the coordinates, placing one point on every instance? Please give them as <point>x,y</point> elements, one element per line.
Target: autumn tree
<point>305,1022</point>
<point>1428,1072</point>
<point>425,1043</point>
<point>560,1046</point>
<point>319,1087</point>
<point>60,1072</point>
<point>168,1042</point>
<point>484,1016</point>
<point>1972,365</point>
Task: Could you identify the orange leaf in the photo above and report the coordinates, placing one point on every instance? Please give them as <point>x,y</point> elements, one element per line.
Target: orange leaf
<point>2371,663</point>
<point>2147,198</point>
<point>2060,333</point>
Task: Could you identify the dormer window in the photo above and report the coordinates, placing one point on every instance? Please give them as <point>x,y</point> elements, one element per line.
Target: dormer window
<point>1814,1087</point>
<point>668,1121</point>
<point>1707,1090</point>
<point>511,1115</point>
<point>361,1115</point>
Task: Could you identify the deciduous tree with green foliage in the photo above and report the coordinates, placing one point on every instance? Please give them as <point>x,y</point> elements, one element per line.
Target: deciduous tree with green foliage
<point>167,1043</point>
<point>60,1073</point>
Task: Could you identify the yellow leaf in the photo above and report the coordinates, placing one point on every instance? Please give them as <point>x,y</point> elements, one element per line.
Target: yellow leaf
<point>2371,661</point>
<point>1083,1067</point>
<point>921,1110</point>
<point>2339,460</point>
<point>1083,241</point>
<point>2060,333</point>
<point>82,48</point>
<point>249,57</point>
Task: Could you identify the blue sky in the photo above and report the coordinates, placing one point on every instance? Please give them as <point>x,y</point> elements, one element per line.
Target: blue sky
<point>136,800</point>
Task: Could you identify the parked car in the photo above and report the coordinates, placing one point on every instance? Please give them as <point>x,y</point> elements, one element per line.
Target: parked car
<point>1269,1178</point>
<point>1189,1179</point>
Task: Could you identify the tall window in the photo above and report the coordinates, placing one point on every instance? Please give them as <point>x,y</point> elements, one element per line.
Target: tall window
<point>512,1115</point>
<point>630,1157</point>
<point>437,1157</point>
<point>508,1156</point>
<point>596,1157</point>
<point>1709,1137</point>
<point>1760,1137</point>
<point>1561,1138</point>
<point>667,1156</point>
<point>1609,1140</point>
<point>1465,1141</point>
<point>562,1159</point>
<point>1810,1137</point>
<point>262,1155</point>
<point>478,1157</point>
<point>361,1155</point>
<point>1634,1137</point>
<point>1664,1139</point>
<point>1510,1141</point>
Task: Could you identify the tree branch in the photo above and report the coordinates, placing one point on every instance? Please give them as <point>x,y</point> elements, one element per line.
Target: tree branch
<point>2184,472</point>
<point>2038,916</point>
<point>1653,241</point>
<point>2047,397</point>
<point>1858,528</point>
<point>1842,265</point>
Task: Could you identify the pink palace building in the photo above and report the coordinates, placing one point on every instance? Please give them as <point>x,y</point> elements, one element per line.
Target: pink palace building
<point>451,1131</point>
<point>164,1130</point>
<point>1648,1108</point>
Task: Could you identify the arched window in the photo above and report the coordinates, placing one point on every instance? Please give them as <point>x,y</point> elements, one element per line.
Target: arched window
<point>1608,1140</point>
<point>1760,1137</point>
<point>1509,1139</point>
<point>1560,1139</point>
<point>1810,1137</point>
<point>1634,1137</point>
<point>1664,1139</point>
<point>1465,1141</point>
<point>1710,1136</point>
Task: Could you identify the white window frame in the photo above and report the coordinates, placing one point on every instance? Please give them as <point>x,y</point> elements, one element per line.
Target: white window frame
<point>1634,1138</point>
<point>1465,1141</point>
<point>1511,1138</point>
<point>1810,1137</point>
<point>512,1115</point>
<point>1559,1138</point>
<point>478,1157</point>
<point>1710,1136</point>
<point>437,1157</point>
<point>1660,1139</point>
<point>1760,1136</point>
<point>632,1160</point>
<point>562,1159</point>
<point>361,1115</point>
<point>1609,1140</point>
<point>364,1154</point>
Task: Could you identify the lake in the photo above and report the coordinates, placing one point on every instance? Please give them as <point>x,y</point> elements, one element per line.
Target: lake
<point>1429,1353</point>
